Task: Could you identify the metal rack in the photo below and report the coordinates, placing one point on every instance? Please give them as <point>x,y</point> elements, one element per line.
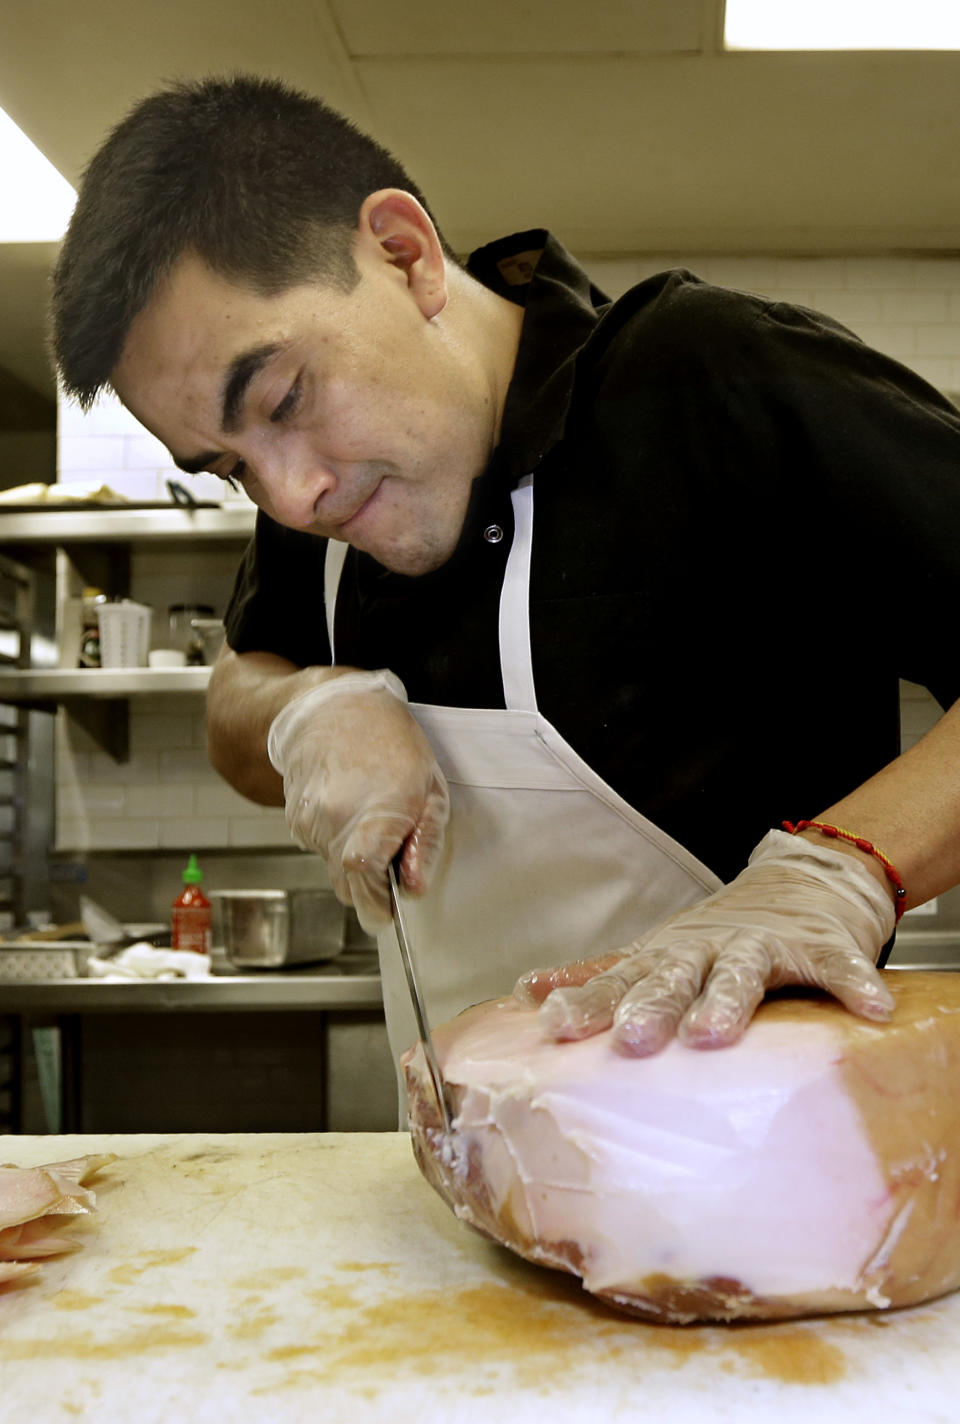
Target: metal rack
<point>25,821</point>
<point>26,803</point>
<point>11,1059</point>
<point>49,553</point>
<point>92,546</point>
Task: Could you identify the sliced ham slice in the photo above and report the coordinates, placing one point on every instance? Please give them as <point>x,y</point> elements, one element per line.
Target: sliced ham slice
<point>35,1202</point>
<point>813,1167</point>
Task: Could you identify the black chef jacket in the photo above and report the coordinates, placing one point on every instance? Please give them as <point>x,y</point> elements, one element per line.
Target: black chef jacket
<point>746,529</point>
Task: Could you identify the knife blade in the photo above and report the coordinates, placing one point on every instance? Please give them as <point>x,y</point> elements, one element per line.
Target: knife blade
<point>108,934</point>
<point>416,998</point>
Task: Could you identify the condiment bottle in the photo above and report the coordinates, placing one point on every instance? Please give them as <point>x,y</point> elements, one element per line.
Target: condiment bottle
<point>91,600</point>
<point>190,913</point>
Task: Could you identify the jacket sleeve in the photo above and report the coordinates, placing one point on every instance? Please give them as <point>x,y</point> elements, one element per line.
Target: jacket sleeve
<point>873,452</point>
<point>836,455</point>
<point>277,601</point>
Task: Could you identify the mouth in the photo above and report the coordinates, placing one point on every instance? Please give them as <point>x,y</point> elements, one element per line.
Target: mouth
<point>347,526</point>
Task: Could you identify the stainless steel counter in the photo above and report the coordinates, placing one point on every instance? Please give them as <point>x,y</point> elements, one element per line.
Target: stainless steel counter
<point>933,948</point>
<point>352,981</point>
<point>301,1047</point>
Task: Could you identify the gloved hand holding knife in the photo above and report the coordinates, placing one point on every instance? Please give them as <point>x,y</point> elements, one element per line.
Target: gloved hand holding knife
<point>361,783</point>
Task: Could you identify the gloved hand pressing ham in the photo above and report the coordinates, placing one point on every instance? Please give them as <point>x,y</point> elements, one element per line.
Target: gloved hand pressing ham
<point>812,1167</point>
<point>360,780</point>
<point>800,913</point>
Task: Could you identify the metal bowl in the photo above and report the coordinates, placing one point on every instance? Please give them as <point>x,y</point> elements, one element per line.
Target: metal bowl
<point>267,929</point>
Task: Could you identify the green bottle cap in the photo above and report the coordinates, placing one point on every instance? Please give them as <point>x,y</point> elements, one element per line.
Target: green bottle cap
<point>193,875</point>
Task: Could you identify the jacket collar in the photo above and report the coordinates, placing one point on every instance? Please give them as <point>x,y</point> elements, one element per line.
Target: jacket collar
<point>562,307</point>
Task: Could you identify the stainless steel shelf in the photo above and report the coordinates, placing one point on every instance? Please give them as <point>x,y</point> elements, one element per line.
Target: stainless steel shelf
<point>67,684</point>
<point>126,526</point>
<point>926,949</point>
<point>97,542</point>
<point>292,989</point>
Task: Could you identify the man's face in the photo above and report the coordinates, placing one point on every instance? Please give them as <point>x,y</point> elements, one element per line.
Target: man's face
<point>351,415</point>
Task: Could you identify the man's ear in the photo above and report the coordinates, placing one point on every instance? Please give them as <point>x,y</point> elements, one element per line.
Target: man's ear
<point>394,228</point>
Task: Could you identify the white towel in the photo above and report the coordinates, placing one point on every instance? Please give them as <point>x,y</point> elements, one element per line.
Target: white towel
<point>145,961</point>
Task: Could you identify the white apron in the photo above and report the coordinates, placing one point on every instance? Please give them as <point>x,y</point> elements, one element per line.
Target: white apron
<point>544,862</point>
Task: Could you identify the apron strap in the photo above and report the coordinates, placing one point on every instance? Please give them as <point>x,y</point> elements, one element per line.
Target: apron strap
<point>516,660</point>
<point>333,562</point>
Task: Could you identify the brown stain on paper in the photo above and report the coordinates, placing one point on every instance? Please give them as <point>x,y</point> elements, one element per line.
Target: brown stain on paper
<point>75,1300</point>
<point>333,1297</point>
<point>790,1355</point>
<point>126,1274</point>
<point>255,1325</point>
<point>540,1332</point>
<point>172,1312</point>
<point>122,1345</point>
<point>357,1267</point>
<point>270,1276</point>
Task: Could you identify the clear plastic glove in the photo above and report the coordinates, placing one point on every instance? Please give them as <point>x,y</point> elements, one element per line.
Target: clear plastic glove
<point>360,780</point>
<point>800,913</point>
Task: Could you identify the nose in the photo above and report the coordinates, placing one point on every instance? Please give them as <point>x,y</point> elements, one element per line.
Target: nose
<point>292,484</point>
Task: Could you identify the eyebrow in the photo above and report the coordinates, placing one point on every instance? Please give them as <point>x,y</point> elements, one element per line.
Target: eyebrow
<point>240,373</point>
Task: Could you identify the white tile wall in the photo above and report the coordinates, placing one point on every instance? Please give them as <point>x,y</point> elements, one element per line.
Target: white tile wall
<point>167,796</point>
<point>107,443</point>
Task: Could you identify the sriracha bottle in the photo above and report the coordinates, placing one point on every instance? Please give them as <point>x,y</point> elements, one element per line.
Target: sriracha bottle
<point>190,913</point>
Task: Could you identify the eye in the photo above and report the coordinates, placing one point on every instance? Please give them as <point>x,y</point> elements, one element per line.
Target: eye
<point>288,406</point>
<point>235,474</point>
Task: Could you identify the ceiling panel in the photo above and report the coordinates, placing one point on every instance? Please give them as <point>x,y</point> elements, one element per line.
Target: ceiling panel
<point>68,71</point>
<point>369,27</point>
<point>725,153</point>
<point>603,122</point>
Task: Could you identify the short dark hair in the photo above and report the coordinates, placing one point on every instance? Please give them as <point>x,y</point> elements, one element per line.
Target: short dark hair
<point>262,182</point>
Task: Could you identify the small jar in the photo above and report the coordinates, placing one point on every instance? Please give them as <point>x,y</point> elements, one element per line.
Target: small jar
<point>183,635</point>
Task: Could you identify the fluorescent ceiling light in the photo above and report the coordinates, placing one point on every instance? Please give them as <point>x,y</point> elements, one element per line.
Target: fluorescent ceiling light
<point>842,24</point>
<point>35,200</point>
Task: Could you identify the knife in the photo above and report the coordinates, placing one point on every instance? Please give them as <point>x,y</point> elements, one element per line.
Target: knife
<point>108,934</point>
<point>416,998</point>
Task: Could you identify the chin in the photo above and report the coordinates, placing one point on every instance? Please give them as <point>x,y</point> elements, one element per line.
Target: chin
<point>412,562</point>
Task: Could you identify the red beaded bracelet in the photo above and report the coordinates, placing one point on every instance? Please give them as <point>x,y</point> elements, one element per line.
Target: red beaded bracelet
<point>861,843</point>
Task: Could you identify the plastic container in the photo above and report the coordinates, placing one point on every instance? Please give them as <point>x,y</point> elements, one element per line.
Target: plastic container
<point>124,634</point>
<point>190,913</point>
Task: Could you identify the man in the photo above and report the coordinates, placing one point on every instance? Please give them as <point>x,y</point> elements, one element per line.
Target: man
<point>746,530</point>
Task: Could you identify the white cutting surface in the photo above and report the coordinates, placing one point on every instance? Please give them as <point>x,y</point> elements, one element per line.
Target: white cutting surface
<point>318,1278</point>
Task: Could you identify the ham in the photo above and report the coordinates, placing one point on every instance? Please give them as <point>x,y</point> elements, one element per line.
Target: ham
<point>812,1167</point>
<point>34,1203</point>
